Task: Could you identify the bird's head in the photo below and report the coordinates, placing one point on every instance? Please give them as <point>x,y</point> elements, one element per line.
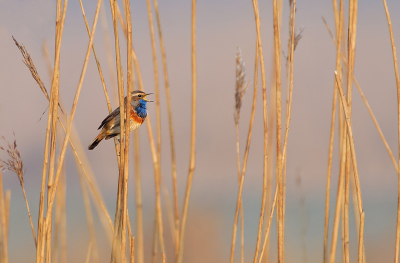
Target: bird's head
<point>138,96</point>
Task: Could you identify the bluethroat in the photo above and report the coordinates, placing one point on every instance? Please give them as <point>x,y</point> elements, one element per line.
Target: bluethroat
<point>110,126</point>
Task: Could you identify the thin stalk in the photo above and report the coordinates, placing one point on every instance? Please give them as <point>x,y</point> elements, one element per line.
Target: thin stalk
<point>139,202</point>
<point>171,127</point>
<point>64,146</point>
<point>117,254</point>
<point>396,71</point>
<point>332,133</point>
<point>277,46</point>
<point>246,154</point>
<point>192,161</point>
<point>127,128</point>
<point>265,115</point>
<point>3,216</point>
<point>266,236</point>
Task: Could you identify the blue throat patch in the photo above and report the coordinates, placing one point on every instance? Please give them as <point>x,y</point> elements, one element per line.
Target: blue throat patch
<point>141,109</point>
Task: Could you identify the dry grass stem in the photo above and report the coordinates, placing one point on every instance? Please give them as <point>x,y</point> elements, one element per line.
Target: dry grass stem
<point>117,252</point>
<point>139,202</point>
<point>132,250</point>
<point>97,62</point>
<point>366,104</point>
<point>3,223</point>
<point>396,72</point>
<point>15,164</point>
<point>171,127</point>
<point>266,236</point>
<point>240,90</point>
<point>338,23</point>
<point>192,161</point>
<point>265,115</point>
<point>89,252</point>
<point>353,154</point>
<point>277,48</point>
<point>72,115</point>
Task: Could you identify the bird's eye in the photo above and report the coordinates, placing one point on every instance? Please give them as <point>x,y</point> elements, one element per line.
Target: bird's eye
<point>139,96</point>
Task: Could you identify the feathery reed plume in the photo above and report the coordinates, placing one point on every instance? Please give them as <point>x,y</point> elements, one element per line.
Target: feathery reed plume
<point>192,162</point>
<point>15,164</point>
<point>396,72</point>
<point>241,85</point>
<point>29,64</point>
<point>240,90</point>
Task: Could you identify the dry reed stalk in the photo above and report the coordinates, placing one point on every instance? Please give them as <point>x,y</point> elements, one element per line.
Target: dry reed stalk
<point>265,115</point>
<point>267,231</point>
<point>240,90</point>
<point>42,231</point>
<point>60,210</point>
<point>72,115</point>
<point>54,98</point>
<point>277,48</point>
<point>192,161</point>
<point>352,26</point>
<point>246,153</point>
<point>139,202</point>
<point>396,71</point>
<point>156,161</point>
<point>164,258</point>
<point>294,40</point>
<point>7,211</point>
<point>157,93</point>
<point>97,62</point>
<point>338,23</point>
<point>110,63</point>
<point>353,154</point>
<point>15,164</point>
<point>155,238</point>
<point>89,252</point>
<point>89,215</point>
<point>132,250</point>
<point>171,127</point>
<point>340,193</point>
<point>361,239</point>
<point>116,253</point>
<point>366,104</point>
<point>3,228</point>
<point>156,85</point>
<point>127,128</point>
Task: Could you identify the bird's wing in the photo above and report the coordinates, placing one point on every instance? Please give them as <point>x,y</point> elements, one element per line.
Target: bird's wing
<point>110,117</point>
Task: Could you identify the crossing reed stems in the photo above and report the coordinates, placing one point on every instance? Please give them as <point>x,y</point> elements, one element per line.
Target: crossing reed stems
<point>265,115</point>
<point>67,134</point>
<point>171,127</point>
<point>338,23</point>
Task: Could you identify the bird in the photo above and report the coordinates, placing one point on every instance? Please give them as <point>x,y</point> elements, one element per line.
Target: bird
<point>110,126</point>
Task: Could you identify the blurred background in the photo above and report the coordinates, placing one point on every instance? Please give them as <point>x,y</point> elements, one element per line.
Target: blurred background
<point>221,27</point>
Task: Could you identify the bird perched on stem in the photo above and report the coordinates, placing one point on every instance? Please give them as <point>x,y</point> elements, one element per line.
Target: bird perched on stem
<point>110,126</point>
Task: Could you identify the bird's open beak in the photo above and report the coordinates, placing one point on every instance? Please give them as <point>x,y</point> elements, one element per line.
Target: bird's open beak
<point>146,96</point>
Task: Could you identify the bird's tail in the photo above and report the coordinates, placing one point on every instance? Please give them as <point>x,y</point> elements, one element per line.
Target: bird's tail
<point>96,141</point>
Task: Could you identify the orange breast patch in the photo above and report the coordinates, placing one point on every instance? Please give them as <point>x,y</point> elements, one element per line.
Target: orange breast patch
<point>135,118</point>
